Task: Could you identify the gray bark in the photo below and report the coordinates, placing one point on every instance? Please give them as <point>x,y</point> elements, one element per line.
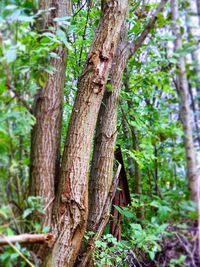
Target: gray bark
<point>186,115</point>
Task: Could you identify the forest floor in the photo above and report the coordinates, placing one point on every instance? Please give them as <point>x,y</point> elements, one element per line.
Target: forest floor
<point>178,249</point>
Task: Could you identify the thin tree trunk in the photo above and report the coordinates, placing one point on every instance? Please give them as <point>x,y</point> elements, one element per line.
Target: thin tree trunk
<point>71,207</point>
<point>194,91</point>
<point>137,185</point>
<point>45,139</point>
<point>102,163</point>
<point>156,170</point>
<point>185,107</point>
<point>198,10</point>
<point>129,159</point>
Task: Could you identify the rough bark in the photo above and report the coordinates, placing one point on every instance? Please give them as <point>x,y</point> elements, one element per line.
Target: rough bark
<point>102,163</point>
<point>71,207</point>
<point>45,139</point>
<point>185,110</point>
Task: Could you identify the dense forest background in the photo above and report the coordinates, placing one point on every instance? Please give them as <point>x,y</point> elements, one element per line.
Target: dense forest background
<point>77,79</point>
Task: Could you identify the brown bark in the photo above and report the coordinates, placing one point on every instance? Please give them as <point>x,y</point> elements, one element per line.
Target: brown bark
<point>185,111</point>
<point>102,163</point>
<point>71,208</point>
<point>27,239</point>
<point>45,140</point>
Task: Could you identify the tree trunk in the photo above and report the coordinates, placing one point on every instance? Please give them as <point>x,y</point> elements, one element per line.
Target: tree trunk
<point>102,163</point>
<point>71,207</point>
<point>191,20</point>
<point>130,160</point>
<point>198,9</point>
<point>185,107</point>
<point>45,139</point>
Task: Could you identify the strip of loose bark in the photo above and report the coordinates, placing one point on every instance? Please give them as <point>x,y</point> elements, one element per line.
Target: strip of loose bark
<point>28,239</point>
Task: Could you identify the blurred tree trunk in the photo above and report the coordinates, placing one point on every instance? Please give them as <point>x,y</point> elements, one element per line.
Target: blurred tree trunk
<point>45,139</point>
<point>186,115</point>
<point>130,160</point>
<point>71,205</point>
<point>198,9</point>
<point>191,21</point>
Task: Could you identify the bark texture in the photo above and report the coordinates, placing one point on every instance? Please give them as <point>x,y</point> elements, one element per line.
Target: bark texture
<point>71,207</point>
<point>45,140</point>
<point>186,115</point>
<point>102,163</point>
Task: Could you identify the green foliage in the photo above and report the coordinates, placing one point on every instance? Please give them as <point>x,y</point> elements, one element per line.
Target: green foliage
<point>148,108</point>
<point>109,251</point>
<point>10,257</point>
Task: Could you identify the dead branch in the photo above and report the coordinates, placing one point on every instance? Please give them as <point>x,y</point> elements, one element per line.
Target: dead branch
<point>137,43</point>
<point>28,239</point>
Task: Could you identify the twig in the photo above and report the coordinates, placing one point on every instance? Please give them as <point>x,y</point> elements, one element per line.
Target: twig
<point>187,249</point>
<point>49,203</point>
<point>20,98</point>
<point>79,9</point>
<point>136,44</point>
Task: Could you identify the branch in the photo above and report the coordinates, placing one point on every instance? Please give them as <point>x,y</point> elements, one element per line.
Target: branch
<point>19,97</point>
<point>79,9</point>
<point>28,239</point>
<point>137,43</point>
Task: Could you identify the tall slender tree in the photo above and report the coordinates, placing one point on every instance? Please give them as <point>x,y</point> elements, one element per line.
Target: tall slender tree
<point>186,116</point>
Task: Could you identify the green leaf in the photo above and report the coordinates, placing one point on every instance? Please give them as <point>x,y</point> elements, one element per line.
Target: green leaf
<point>62,36</point>
<point>27,212</point>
